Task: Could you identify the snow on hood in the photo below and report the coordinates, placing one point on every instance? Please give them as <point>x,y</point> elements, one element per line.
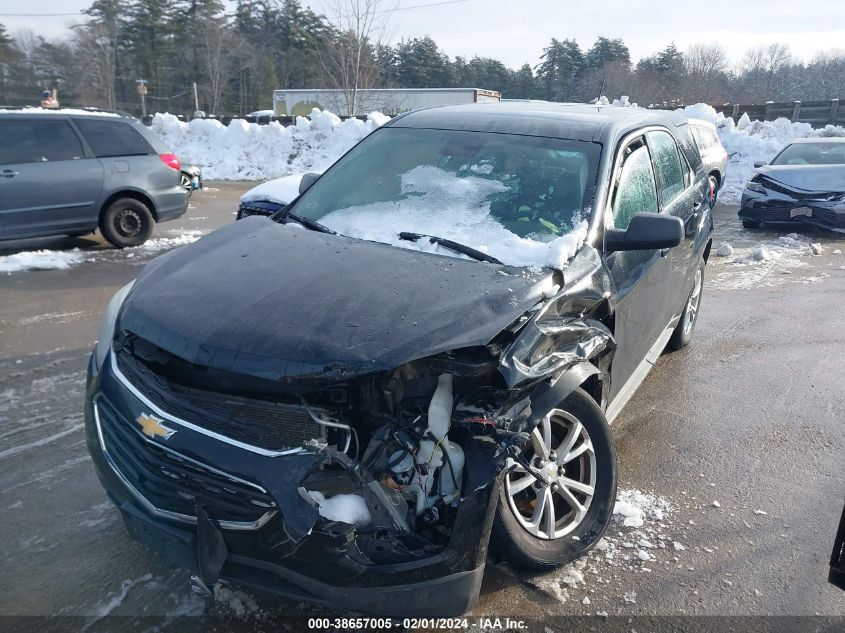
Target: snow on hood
<point>441,203</point>
<point>281,190</point>
<point>747,142</point>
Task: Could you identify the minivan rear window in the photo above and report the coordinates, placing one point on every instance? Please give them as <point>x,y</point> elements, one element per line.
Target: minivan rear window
<point>38,141</point>
<point>113,138</point>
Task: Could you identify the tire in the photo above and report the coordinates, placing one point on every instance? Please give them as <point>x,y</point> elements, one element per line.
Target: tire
<point>127,222</point>
<point>682,335</point>
<point>574,535</point>
<point>750,224</point>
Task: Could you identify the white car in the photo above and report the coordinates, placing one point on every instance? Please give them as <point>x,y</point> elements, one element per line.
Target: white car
<point>713,154</point>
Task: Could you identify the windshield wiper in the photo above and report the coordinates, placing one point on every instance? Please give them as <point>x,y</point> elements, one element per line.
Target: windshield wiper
<point>452,246</point>
<point>308,223</point>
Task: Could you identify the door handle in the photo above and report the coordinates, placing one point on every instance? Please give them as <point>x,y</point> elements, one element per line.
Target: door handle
<point>8,173</point>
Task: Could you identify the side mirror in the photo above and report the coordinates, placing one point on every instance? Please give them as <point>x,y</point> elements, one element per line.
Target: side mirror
<point>646,232</point>
<point>759,163</point>
<point>307,180</point>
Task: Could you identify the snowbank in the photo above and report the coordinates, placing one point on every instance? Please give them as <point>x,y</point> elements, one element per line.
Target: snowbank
<point>248,151</point>
<point>40,260</point>
<point>749,141</point>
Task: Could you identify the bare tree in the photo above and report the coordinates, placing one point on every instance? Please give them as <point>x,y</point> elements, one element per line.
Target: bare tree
<point>761,67</point>
<point>705,66</point>
<point>348,58</point>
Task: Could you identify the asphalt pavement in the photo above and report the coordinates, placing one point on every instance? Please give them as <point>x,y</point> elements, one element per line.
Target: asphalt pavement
<point>736,443</point>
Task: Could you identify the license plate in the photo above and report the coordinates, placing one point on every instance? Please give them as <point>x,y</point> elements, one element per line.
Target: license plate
<point>801,211</point>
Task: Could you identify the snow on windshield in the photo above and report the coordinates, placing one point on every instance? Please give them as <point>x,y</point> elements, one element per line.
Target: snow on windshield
<point>441,203</point>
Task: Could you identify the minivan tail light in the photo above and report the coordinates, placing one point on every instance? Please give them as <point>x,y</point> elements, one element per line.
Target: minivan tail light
<point>171,161</point>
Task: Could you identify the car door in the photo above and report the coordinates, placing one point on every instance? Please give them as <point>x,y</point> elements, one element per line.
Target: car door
<point>683,195</point>
<point>48,184</point>
<point>641,278</point>
<point>680,196</point>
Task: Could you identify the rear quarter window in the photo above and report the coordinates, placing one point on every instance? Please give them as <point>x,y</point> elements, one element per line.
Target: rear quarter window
<point>113,138</point>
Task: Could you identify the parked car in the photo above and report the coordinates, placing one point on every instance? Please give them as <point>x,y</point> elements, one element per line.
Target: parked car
<point>713,154</point>
<point>269,197</point>
<point>190,177</point>
<point>804,184</point>
<point>422,353</point>
<point>70,172</point>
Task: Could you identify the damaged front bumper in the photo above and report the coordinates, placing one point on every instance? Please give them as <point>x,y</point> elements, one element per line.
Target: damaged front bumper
<point>786,210</point>
<point>264,533</point>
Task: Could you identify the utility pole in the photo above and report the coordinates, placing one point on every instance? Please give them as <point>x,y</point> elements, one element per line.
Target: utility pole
<point>142,90</point>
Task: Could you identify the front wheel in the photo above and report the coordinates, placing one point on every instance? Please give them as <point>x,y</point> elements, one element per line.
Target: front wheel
<point>682,335</point>
<point>544,525</point>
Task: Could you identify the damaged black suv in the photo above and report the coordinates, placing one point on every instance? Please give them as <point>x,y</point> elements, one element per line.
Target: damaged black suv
<point>421,354</point>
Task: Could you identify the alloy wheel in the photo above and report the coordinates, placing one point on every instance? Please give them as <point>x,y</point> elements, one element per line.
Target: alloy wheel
<point>693,302</point>
<point>561,450</point>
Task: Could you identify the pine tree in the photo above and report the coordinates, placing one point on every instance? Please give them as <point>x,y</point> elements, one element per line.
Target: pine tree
<point>557,74</point>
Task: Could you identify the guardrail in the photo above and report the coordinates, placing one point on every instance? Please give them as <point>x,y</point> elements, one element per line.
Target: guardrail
<point>816,113</point>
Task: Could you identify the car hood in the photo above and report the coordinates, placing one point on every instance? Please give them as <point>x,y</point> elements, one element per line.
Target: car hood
<point>821,178</point>
<point>277,301</point>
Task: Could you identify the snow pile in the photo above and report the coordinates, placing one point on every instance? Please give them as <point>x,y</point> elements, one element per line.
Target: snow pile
<point>747,142</point>
<point>441,203</point>
<point>349,508</point>
<point>248,151</point>
<point>40,260</point>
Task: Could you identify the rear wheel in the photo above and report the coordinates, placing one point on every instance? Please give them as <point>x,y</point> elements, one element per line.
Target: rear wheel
<point>127,222</point>
<point>750,224</point>
<point>185,183</point>
<point>682,335</point>
<point>543,525</point>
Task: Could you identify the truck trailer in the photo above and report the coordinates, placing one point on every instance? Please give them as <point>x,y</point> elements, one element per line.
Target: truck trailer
<point>389,101</point>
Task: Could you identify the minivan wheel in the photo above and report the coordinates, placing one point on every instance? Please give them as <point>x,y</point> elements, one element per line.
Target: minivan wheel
<point>544,525</point>
<point>127,222</point>
<point>186,184</point>
<point>682,335</point>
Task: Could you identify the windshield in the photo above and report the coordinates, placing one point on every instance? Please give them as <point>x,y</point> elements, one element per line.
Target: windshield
<point>812,154</point>
<point>523,200</point>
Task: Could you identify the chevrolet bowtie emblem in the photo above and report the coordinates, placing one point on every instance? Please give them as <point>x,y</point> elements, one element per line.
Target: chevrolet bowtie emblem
<point>153,427</point>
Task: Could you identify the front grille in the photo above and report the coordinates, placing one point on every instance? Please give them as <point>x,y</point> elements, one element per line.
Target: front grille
<point>175,483</point>
<point>829,217</point>
<point>263,209</point>
<point>262,423</point>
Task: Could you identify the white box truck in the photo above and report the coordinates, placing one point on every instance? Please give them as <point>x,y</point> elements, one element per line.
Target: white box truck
<point>389,101</point>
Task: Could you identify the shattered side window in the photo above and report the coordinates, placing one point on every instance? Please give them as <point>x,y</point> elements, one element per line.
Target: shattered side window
<point>636,191</point>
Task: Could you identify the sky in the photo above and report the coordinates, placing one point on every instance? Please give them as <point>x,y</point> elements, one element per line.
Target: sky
<point>515,31</point>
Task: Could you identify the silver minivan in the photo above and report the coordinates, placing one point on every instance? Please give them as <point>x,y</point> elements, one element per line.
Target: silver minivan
<point>71,172</point>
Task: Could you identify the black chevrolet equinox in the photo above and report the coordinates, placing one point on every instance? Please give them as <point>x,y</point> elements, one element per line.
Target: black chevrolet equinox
<point>347,402</point>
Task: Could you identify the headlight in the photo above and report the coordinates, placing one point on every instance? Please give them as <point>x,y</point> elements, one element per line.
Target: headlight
<point>755,186</point>
<point>107,323</point>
